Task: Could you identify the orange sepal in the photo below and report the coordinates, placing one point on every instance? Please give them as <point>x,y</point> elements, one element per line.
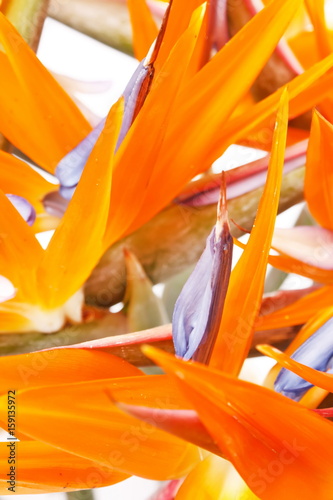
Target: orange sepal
<point>60,366</point>
<point>141,148</point>
<point>214,479</point>
<point>316,10</point>
<point>177,21</point>
<point>305,91</point>
<point>42,468</point>
<point>291,265</point>
<point>206,101</point>
<point>20,252</point>
<point>77,243</point>
<point>308,329</point>
<point>36,115</point>
<point>315,377</point>
<point>291,448</point>
<point>299,312</point>
<point>16,177</point>
<point>144,28</point>
<point>318,188</point>
<point>80,418</point>
<point>247,278</point>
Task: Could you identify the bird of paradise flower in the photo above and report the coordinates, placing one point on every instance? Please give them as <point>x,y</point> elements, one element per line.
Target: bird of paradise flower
<point>207,406</point>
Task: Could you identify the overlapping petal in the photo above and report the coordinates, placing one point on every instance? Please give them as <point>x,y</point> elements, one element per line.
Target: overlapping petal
<point>44,125</point>
<point>45,469</point>
<point>68,261</point>
<point>292,454</point>
<point>247,279</point>
<point>79,418</point>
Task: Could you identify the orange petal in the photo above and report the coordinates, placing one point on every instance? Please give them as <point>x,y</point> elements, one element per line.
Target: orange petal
<point>35,113</point>
<point>11,322</point>
<point>142,144</point>
<point>290,447</point>
<point>16,177</point>
<point>300,311</point>
<point>214,479</point>
<point>308,329</point>
<point>76,245</point>
<point>207,100</point>
<point>177,21</point>
<point>305,91</point>
<point>247,278</point>
<point>20,252</point>
<point>79,418</point>
<point>291,265</point>
<point>305,48</point>
<point>41,468</point>
<point>318,189</point>
<point>143,27</point>
<point>315,377</point>
<point>60,366</point>
<point>316,10</point>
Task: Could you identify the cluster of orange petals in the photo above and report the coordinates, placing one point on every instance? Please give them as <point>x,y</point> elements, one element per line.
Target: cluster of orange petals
<point>78,408</point>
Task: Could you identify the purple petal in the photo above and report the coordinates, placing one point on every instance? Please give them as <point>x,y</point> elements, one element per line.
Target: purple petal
<point>317,353</point>
<point>25,209</point>
<point>70,168</point>
<point>7,289</point>
<point>309,244</point>
<point>199,307</point>
<point>192,307</point>
<point>131,95</point>
<point>67,192</point>
<point>55,204</point>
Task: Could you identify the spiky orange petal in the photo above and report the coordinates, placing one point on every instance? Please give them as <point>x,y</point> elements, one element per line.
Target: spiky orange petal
<point>247,279</point>
<point>143,27</point>
<point>80,418</point>
<point>318,188</point>
<point>36,115</point>
<point>77,243</point>
<point>290,446</point>
<point>45,469</point>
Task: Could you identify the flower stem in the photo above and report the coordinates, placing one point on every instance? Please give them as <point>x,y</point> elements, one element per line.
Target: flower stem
<point>175,238</point>
<point>28,17</point>
<point>80,495</point>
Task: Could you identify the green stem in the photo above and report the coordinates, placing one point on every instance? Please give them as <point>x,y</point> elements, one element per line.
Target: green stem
<point>80,495</point>
<point>175,238</point>
<point>132,353</point>
<point>28,17</point>
<point>107,22</point>
<point>111,324</point>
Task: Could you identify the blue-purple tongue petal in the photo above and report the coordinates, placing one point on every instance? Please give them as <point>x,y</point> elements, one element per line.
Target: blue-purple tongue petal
<point>198,310</point>
<point>131,96</point>
<point>25,209</point>
<point>317,353</point>
<point>70,168</point>
<point>192,307</point>
<point>7,289</point>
